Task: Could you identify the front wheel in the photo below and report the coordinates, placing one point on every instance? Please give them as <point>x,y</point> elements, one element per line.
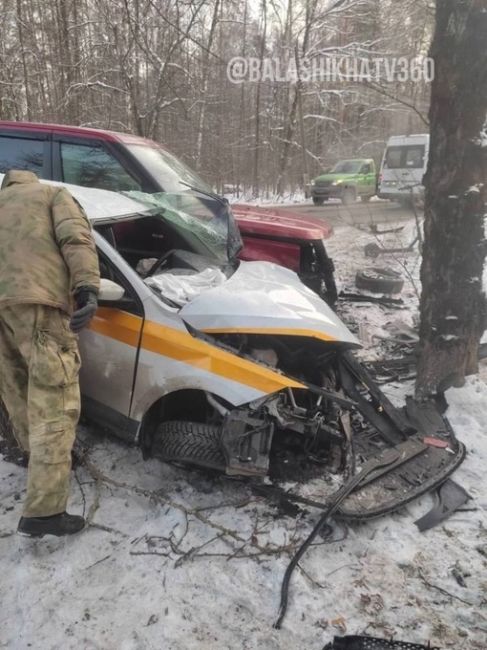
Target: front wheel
<point>189,443</point>
<point>318,201</point>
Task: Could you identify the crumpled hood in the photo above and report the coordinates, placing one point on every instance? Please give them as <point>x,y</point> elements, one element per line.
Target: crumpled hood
<point>18,176</point>
<point>264,298</point>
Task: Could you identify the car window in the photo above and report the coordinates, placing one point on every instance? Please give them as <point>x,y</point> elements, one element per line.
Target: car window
<point>411,156</point>
<point>21,153</point>
<point>131,300</point>
<point>415,156</point>
<point>394,157</point>
<point>366,169</point>
<point>93,166</point>
<point>346,167</point>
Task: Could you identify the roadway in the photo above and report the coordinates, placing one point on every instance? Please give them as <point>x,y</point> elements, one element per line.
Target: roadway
<point>358,214</point>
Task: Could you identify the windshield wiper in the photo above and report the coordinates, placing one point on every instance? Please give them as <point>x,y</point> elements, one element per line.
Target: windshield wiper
<point>211,195</point>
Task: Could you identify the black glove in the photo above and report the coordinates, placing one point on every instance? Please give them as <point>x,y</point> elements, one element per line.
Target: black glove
<point>86,306</point>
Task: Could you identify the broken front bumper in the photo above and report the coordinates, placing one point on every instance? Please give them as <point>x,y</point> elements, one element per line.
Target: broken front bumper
<point>407,451</point>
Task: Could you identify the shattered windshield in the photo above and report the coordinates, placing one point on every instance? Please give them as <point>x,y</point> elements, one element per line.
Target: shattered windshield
<point>170,172</point>
<point>347,167</point>
<point>201,221</point>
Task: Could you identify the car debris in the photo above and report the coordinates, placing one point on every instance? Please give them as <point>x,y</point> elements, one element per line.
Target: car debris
<point>360,642</point>
<point>449,497</point>
<point>291,240</point>
<point>348,296</point>
<point>379,280</point>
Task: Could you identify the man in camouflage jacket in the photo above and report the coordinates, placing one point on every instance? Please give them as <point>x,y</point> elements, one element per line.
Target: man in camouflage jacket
<point>49,281</point>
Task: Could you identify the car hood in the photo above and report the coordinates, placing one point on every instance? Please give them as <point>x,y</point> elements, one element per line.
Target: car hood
<point>335,177</point>
<point>255,220</point>
<point>264,298</point>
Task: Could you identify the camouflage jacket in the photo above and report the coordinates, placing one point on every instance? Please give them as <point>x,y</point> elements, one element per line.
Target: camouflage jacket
<point>47,249</point>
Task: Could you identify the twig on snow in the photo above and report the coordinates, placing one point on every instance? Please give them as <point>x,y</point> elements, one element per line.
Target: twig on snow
<point>443,591</point>
<point>98,562</point>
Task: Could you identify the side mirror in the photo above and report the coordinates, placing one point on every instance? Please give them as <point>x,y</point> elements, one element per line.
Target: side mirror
<point>110,291</point>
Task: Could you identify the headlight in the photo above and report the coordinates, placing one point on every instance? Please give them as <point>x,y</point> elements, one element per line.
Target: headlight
<point>313,182</point>
<point>337,183</point>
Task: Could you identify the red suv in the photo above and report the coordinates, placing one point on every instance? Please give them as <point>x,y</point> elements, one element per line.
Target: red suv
<point>123,162</point>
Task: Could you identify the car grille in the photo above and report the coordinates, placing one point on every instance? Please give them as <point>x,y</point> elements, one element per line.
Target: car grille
<point>322,183</point>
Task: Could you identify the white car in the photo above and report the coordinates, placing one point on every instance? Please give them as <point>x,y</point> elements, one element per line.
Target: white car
<point>403,166</point>
<point>237,366</point>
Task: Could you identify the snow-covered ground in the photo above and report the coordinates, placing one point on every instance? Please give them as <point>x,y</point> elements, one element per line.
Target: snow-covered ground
<point>288,198</point>
<point>176,560</point>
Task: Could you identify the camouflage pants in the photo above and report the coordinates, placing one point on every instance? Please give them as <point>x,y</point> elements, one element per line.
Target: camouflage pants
<point>39,366</point>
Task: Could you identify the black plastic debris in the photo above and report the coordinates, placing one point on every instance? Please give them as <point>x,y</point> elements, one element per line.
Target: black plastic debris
<point>448,498</point>
<point>373,643</point>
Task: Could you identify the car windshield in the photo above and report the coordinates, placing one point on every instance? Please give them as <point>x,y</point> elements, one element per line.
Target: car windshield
<point>170,172</point>
<point>202,222</point>
<point>347,167</point>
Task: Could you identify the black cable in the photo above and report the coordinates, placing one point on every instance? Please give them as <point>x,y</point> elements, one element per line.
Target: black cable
<point>338,498</point>
<point>292,565</point>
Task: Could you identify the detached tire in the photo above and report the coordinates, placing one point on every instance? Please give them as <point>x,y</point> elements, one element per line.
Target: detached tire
<point>189,443</point>
<point>379,280</point>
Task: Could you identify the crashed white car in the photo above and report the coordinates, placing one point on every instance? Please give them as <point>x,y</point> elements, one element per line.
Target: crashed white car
<point>205,360</point>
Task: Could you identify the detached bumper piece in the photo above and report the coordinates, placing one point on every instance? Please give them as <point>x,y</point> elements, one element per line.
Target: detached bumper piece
<point>409,451</point>
<point>373,643</point>
<point>427,450</point>
<point>449,497</point>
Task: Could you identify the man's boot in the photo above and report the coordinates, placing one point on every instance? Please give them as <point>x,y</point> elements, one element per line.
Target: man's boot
<point>58,525</point>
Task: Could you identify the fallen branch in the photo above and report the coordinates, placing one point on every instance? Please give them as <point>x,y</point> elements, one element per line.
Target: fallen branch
<point>443,591</point>
<point>100,478</point>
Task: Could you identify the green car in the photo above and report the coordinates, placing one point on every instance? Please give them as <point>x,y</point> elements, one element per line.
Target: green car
<point>347,180</point>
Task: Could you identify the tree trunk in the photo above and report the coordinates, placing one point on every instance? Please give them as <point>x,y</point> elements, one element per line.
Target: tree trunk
<point>204,91</point>
<point>255,171</point>
<point>453,307</point>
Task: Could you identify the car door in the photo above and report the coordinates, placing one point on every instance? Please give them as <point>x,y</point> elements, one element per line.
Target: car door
<point>367,180</point>
<point>91,163</point>
<point>21,149</point>
<point>109,353</point>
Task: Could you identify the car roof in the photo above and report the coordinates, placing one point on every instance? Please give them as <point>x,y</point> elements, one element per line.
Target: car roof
<point>77,131</point>
<point>103,205</point>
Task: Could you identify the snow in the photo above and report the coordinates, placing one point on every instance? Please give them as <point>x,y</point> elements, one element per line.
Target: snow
<point>165,562</point>
<point>246,197</point>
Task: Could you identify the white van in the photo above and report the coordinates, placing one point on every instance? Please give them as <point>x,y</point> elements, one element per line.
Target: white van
<point>403,166</point>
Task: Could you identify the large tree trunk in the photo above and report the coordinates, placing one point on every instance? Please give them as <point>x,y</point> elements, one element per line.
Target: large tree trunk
<point>453,308</point>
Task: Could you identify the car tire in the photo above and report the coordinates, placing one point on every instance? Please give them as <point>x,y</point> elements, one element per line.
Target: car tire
<point>349,195</point>
<point>189,443</point>
<point>379,280</point>
<point>318,201</point>
<point>366,199</point>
